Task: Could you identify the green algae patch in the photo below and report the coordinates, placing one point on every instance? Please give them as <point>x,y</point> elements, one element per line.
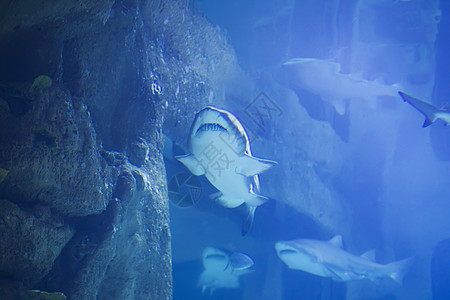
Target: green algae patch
<point>41,295</point>
<point>41,82</point>
<point>3,174</point>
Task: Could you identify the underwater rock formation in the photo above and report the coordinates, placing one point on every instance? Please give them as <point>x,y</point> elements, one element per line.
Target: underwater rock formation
<point>84,90</point>
<point>52,155</point>
<point>30,244</point>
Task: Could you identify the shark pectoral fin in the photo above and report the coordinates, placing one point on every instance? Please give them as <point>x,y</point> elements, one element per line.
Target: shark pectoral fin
<point>192,164</point>
<point>334,274</point>
<point>240,261</point>
<point>250,166</point>
<point>369,255</point>
<point>336,241</point>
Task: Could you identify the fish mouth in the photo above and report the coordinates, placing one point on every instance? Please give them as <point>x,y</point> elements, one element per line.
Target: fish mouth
<point>211,127</point>
<point>216,257</point>
<point>287,252</point>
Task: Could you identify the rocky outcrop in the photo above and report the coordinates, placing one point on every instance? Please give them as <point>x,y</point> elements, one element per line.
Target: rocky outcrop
<point>84,90</point>
<point>52,155</point>
<point>30,243</point>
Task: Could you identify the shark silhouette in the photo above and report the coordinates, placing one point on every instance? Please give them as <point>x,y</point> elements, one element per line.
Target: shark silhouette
<point>220,150</point>
<point>328,259</point>
<point>324,78</point>
<point>222,269</point>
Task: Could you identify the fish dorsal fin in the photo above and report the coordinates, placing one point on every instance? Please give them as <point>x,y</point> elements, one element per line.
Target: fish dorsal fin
<point>336,241</point>
<point>369,255</point>
<point>250,166</point>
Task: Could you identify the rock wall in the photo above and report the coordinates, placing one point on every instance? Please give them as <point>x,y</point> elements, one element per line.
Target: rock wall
<point>85,87</point>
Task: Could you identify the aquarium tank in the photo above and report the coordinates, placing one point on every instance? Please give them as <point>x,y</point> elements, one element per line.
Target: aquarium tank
<point>224,149</point>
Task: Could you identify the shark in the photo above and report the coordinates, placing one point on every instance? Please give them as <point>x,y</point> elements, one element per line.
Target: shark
<point>324,78</point>
<point>430,112</point>
<point>220,149</point>
<point>222,268</point>
<point>329,259</point>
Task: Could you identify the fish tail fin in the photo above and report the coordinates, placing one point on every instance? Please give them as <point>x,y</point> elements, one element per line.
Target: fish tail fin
<point>398,269</point>
<point>255,199</point>
<point>425,108</point>
<point>428,122</point>
<point>248,221</point>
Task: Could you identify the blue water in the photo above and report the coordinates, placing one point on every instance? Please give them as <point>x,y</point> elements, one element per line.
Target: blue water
<point>371,174</point>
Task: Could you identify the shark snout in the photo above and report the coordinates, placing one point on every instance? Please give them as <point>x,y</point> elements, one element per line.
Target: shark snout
<point>210,119</point>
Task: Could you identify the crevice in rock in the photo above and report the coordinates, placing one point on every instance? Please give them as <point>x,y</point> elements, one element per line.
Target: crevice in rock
<point>90,233</point>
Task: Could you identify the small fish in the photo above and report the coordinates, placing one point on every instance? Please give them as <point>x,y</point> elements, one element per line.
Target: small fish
<point>222,269</point>
<point>430,112</point>
<point>220,150</point>
<point>328,259</point>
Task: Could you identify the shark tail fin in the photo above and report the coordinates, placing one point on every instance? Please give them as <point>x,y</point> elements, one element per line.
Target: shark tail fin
<point>256,200</point>
<point>248,221</point>
<point>399,268</point>
<point>425,108</point>
<point>427,122</point>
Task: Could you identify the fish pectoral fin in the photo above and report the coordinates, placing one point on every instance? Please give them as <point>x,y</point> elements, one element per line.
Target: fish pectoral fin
<point>250,166</point>
<point>240,261</point>
<point>192,164</point>
<point>334,274</point>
